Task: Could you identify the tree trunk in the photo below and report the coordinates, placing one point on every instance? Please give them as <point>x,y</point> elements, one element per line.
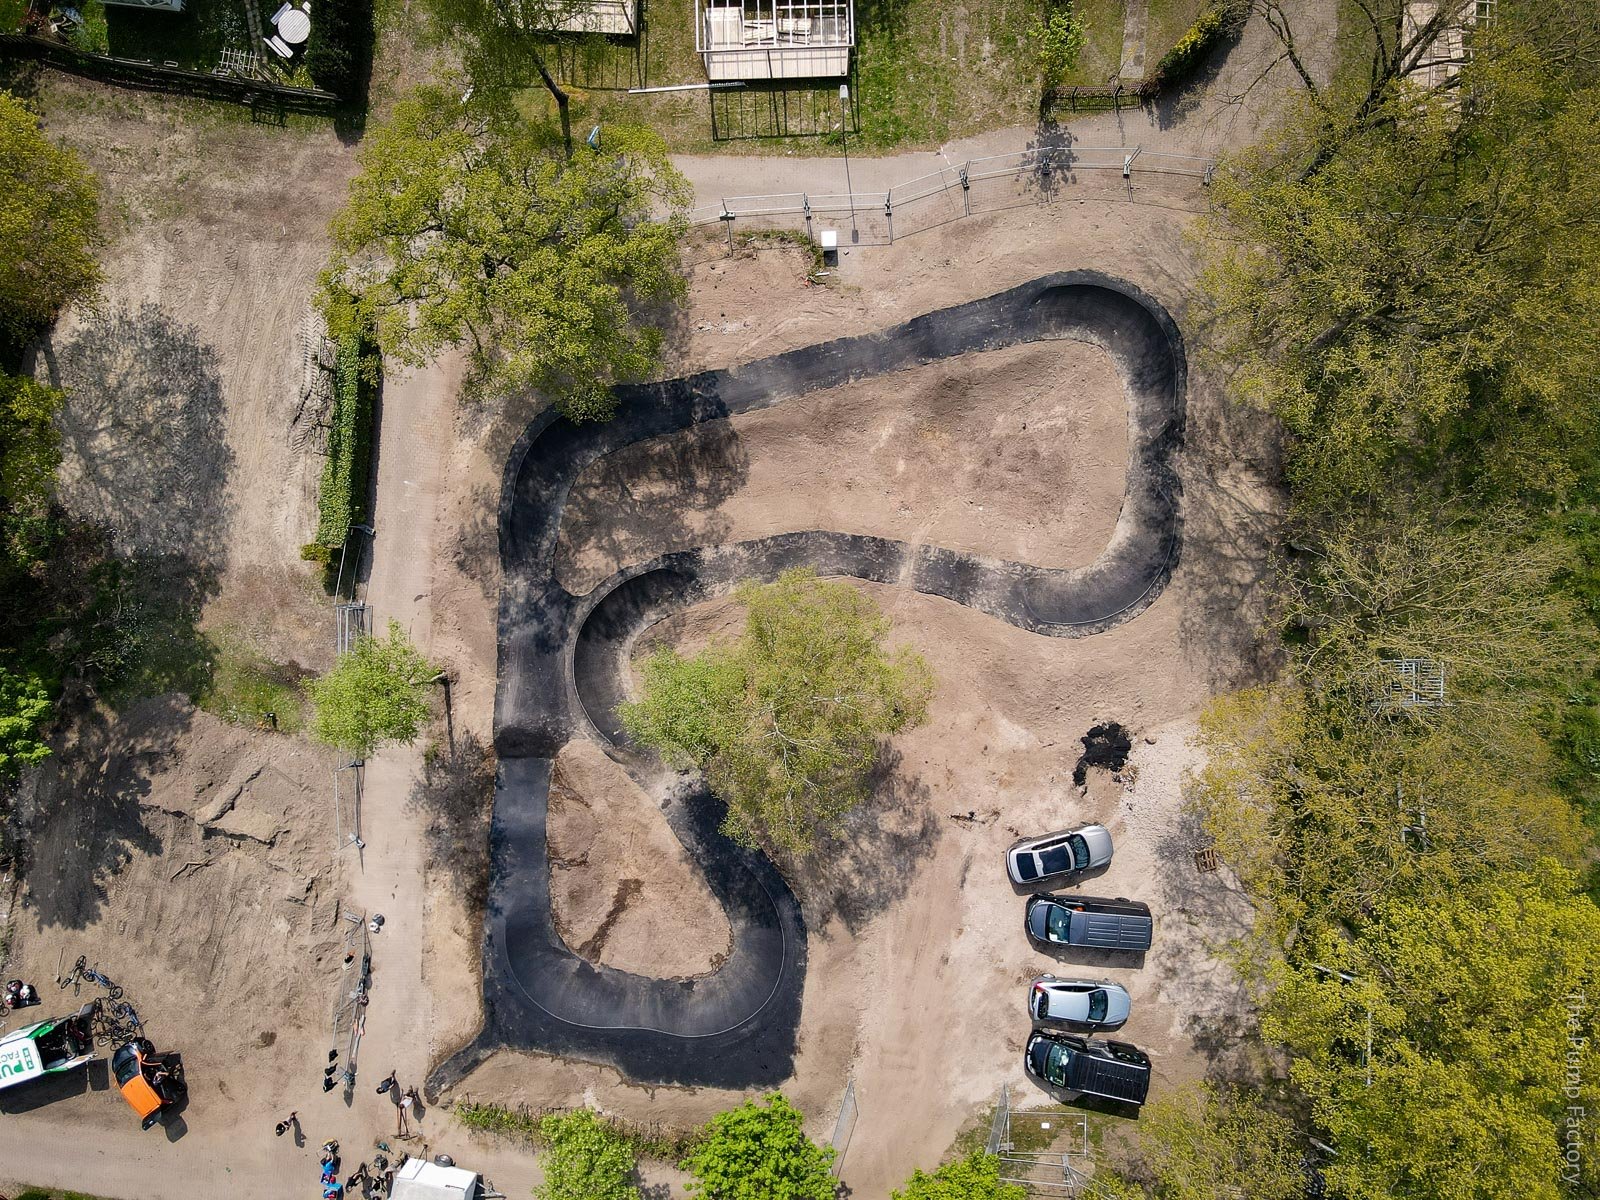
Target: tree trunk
<point>563,101</point>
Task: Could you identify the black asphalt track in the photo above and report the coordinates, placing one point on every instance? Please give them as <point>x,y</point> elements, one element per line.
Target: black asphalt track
<point>562,661</point>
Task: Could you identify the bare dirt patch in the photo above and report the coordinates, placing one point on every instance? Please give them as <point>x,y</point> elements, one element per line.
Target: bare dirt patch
<point>623,891</point>
<point>1014,454</point>
<point>190,859</point>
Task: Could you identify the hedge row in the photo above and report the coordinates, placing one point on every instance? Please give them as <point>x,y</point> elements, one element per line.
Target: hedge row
<point>1222,20</point>
<point>342,499</point>
<point>654,1140</point>
<point>339,50</point>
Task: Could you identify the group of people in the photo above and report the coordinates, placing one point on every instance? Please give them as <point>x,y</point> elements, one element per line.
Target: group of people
<point>406,1103</point>
<point>20,994</point>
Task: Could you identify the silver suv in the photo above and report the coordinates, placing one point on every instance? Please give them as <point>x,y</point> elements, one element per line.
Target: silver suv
<point>1069,852</point>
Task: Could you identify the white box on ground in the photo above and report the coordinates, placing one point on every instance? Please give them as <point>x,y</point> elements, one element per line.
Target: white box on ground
<point>830,239</point>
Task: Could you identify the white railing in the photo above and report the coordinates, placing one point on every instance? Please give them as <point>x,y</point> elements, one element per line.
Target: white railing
<point>1042,170</point>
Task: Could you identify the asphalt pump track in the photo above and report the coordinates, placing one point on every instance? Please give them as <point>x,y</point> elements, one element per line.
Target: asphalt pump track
<point>563,662</point>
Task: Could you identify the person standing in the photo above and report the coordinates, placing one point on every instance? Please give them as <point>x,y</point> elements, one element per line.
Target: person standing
<point>402,1112</point>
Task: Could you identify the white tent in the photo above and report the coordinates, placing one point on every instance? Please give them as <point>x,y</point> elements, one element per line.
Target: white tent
<point>418,1179</point>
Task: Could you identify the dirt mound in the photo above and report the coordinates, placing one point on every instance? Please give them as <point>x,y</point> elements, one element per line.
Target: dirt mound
<point>191,860</point>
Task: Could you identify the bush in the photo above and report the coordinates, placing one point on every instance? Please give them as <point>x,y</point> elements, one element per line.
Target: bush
<point>1210,29</point>
<point>340,47</point>
<point>343,493</point>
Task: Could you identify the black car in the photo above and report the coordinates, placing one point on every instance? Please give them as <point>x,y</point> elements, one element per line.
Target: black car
<point>1111,1070</point>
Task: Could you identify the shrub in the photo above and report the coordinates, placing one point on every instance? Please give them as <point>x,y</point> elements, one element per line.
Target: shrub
<point>340,46</point>
<point>1058,39</point>
<point>1216,24</point>
<point>343,490</point>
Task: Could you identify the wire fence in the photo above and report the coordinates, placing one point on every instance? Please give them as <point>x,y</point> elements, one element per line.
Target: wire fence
<point>979,185</point>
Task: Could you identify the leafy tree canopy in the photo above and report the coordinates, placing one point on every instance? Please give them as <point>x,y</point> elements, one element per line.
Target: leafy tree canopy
<point>1415,290</point>
<point>584,1159</point>
<point>49,222</point>
<point>975,1177</point>
<point>1206,1142</point>
<point>30,452</point>
<point>786,722</point>
<point>24,706</point>
<point>469,225</point>
<point>1058,37</point>
<point>377,692</point>
<point>760,1152</point>
<point>1481,1037</point>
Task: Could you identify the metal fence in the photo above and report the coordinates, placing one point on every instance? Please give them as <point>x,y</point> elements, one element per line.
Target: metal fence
<point>956,190</point>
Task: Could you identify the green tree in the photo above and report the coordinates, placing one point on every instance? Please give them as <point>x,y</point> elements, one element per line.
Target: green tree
<point>30,453</point>
<point>584,1159</point>
<point>975,1177</point>
<point>509,46</point>
<point>786,722</point>
<point>1424,303</point>
<point>760,1152</point>
<point>49,222</point>
<point>1480,1031</point>
<point>1058,38</point>
<point>377,692</point>
<point>468,226</point>
<point>1207,1142</point>
<point>24,706</point>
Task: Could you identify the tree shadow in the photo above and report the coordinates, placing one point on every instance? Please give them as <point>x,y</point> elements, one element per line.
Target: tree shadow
<point>453,797</point>
<point>475,549</point>
<point>144,451</point>
<point>1217,1007</point>
<point>643,500</point>
<point>80,810</point>
<point>862,866</point>
<point>1232,507</point>
<point>887,17</point>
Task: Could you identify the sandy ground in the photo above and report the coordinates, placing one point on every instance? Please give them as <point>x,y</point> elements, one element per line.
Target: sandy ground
<point>188,434</point>
<point>1008,454</point>
<point>910,895</point>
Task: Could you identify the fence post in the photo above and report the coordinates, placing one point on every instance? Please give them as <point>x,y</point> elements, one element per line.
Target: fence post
<point>966,191</point>
<point>888,213</point>
<point>727,219</point>
<point>805,206</point>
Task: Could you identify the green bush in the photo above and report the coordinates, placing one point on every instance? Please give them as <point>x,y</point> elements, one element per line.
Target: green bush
<point>340,47</point>
<point>652,1141</point>
<point>1210,29</point>
<point>343,493</point>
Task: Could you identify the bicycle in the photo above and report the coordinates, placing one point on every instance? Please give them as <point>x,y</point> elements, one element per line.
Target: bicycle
<point>81,971</point>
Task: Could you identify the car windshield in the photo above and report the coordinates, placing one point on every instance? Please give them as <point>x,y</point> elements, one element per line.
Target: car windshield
<point>1055,861</point>
<point>1055,1066</point>
<point>1027,867</point>
<point>1041,1009</point>
<point>1098,1003</point>
<point>1080,850</point>
<point>1057,923</point>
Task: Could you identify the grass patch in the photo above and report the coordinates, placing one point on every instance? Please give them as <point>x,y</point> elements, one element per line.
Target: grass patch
<point>246,686</point>
<point>35,1193</point>
<point>654,1140</point>
<point>1169,21</point>
<point>759,238</point>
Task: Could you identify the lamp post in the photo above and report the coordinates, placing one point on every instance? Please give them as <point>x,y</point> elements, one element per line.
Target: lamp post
<point>844,141</point>
<point>1347,978</point>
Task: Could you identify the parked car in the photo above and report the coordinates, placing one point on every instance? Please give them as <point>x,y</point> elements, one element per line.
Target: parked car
<point>1081,1002</point>
<point>1111,1070</point>
<point>1066,853</point>
<point>148,1081</point>
<point>1090,921</point>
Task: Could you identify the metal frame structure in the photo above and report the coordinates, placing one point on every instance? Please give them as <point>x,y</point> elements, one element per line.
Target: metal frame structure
<point>774,39</point>
<point>350,1009</point>
<point>1048,1172</point>
<point>1411,683</point>
<point>844,1126</point>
